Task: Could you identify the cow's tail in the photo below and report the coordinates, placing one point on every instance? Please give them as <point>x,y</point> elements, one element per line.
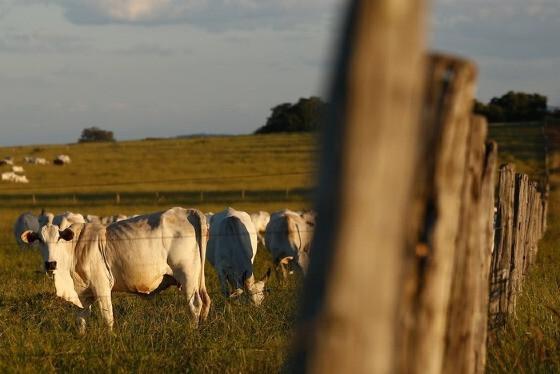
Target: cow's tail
<point>202,233</point>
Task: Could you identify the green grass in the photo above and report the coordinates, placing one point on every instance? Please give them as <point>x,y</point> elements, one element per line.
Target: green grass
<point>37,330</point>
<point>529,343</point>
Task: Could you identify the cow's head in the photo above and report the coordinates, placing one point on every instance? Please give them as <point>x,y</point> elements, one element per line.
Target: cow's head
<point>56,249</point>
<point>54,245</point>
<point>257,289</point>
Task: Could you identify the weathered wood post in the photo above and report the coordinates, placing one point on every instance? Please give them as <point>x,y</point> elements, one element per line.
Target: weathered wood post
<point>371,144</point>
<point>117,198</point>
<point>501,256</point>
<point>487,201</point>
<point>430,257</point>
<point>469,285</point>
<point>519,245</point>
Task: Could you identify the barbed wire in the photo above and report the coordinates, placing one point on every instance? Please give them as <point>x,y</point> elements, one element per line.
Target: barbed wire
<point>158,237</point>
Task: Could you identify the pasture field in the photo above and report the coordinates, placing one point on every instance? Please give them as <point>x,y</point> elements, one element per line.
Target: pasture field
<point>530,343</point>
<point>37,330</point>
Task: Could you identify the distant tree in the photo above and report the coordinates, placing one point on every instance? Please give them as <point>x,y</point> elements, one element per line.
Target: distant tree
<point>514,107</point>
<point>303,116</point>
<point>95,134</point>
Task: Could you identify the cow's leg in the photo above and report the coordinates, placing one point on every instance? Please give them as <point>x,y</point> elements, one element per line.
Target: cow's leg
<point>83,314</point>
<point>191,289</point>
<point>106,307</point>
<point>223,283</point>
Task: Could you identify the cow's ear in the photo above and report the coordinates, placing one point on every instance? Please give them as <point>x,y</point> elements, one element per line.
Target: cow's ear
<point>66,234</point>
<point>29,237</point>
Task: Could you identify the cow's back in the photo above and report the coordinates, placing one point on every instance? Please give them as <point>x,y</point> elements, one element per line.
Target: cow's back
<point>141,247</point>
<point>233,244</point>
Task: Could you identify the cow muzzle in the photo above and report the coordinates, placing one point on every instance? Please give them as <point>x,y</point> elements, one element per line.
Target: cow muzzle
<point>50,265</point>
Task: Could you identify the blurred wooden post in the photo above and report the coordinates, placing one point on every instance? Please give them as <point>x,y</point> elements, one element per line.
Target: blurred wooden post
<point>157,197</point>
<point>370,150</point>
<point>201,195</point>
<point>33,199</point>
<point>74,200</point>
<point>471,250</point>
<point>117,198</point>
<point>501,257</point>
<point>287,193</point>
<point>243,194</point>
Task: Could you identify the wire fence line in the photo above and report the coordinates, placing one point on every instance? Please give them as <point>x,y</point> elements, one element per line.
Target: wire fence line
<point>46,187</point>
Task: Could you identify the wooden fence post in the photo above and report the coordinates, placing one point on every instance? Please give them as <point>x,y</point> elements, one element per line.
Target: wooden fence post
<point>430,258</point>
<point>117,198</point>
<point>33,199</point>
<point>520,221</point>
<point>363,197</point>
<point>501,256</point>
<point>487,222</point>
<point>469,280</point>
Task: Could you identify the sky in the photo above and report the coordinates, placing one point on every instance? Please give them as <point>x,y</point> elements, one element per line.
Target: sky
<point>159,68</point>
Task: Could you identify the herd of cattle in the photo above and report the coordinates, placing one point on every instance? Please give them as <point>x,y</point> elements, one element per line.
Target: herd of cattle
<point>16,173</point>
<point>89,256</point>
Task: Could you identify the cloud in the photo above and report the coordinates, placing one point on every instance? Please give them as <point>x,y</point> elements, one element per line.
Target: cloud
<point>214,15</point>
<point>41,42</point>
<point>523,29</point>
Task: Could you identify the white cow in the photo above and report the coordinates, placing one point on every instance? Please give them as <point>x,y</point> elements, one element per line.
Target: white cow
<point>35,160</point>
<point>17,169</point>
<point>10,176</point>
<point>288,237</point>
<point>141,255</point>
<point>260,220</point>
<point>62,160</point>
<point>231,250</point>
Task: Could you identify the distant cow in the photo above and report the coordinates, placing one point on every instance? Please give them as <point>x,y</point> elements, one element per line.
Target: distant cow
<point>231,250</point>
<point>260,220</point>
<point>61,160</point>
<point>7,161</point>
<point>141,255</point>
<point>288,237</point>
<point>26,221</point>
<point>35,160</point>
<point>17,169</point>
<point>10,176</point>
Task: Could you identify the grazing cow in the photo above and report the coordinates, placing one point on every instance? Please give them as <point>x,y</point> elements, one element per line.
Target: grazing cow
<point>231,250</point>
<point>25,222</point>
<point>61,160</point>
<point>10,176</point>
<point>288,237</point>
<point>35,160</point>
<point>260,220</point>
<point>7,161</point>
<point>142,255</point>
<point>17,169</point>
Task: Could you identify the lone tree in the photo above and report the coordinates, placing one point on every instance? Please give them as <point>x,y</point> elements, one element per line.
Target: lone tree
<point>514,107</point>
<point>95,134</point>
<point>303,116</point>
